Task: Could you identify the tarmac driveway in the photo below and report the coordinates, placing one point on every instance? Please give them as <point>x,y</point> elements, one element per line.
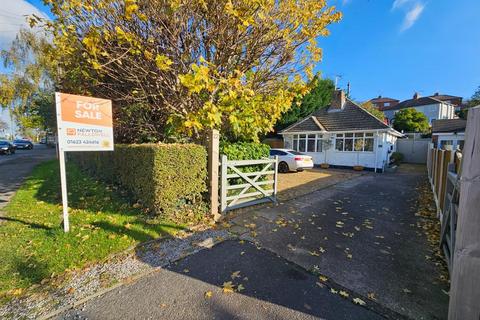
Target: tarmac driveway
<point>349,251</point>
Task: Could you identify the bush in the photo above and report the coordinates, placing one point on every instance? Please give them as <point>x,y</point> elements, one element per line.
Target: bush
<point>396,157</point>
<point>165,178</point>
<point>245,150</point>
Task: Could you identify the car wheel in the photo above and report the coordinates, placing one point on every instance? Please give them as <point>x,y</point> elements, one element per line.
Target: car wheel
<point>283,167</point>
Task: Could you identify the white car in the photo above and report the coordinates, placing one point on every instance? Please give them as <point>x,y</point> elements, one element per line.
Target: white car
<point>291,160</point>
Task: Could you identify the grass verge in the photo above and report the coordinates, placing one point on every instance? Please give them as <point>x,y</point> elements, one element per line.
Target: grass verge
<point>33,246</point>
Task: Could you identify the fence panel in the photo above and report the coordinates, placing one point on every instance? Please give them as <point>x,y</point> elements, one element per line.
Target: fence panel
<point>240,189</point>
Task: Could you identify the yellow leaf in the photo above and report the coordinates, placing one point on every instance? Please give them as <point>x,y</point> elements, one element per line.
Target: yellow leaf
<point>344,293</point>
<point>228,287</point>
<point>208,294</point>
<point>359,301</point>
<point>234,275</point>
<point>323,278</point>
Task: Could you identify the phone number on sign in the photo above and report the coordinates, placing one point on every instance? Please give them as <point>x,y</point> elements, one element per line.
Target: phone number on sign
<point>83,142</point>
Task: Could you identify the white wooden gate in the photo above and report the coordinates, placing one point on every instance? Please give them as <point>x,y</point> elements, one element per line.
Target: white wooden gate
<point>240,189</point>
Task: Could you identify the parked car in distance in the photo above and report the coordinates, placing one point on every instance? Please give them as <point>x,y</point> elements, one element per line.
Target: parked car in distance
<point>23,144</point>
<point>291,160</point>
<point>43,140</point>
<point>6,147</point>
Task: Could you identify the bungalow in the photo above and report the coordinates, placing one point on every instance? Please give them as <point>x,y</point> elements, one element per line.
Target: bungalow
<point>343,134</point>
<point>448,132</point>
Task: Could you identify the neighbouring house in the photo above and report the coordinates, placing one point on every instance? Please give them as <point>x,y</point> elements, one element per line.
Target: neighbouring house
<point>384,102</point>
<point>343,134</point>
<point>438,106</point>
<point>448,133</point>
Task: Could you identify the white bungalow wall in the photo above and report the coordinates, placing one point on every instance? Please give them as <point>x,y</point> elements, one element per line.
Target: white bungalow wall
<point>383,143</point>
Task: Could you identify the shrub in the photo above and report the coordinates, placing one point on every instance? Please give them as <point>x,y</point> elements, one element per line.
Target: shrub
<point>165,178</point>
<point>245,150</point>
<point>396,157</point>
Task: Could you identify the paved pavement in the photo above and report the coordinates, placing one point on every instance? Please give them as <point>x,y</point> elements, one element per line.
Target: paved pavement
<point>360,235</point>
<point>15,168</point>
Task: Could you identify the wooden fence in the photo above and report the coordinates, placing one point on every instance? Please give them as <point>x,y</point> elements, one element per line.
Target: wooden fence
<point>240,189</point>
<point>443,167</point>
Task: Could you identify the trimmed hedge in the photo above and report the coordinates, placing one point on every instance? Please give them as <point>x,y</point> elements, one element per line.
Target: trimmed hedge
<point>165,178</point>
<point>396,157</point>
<point>245,150</point>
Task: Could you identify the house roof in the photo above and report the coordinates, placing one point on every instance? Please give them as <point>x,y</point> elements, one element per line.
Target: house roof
<point>445,97</point>
<point>422,101</point>
<point>449,125</point>
<point>383,99</point>
<point>350,118</point>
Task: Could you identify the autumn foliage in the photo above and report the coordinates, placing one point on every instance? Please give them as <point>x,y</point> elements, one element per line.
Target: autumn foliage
<point>178,67</point>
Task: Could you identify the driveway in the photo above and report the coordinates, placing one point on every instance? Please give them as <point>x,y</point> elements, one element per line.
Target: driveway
<point>16,167</point>
<point>349,251</point>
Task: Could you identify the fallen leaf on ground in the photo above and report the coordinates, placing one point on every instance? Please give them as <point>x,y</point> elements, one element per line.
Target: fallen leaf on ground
<point>333,291</point>
<point>186,270</point>
<point>359,301</point>
<point>235,274</point>
<point>371,296</point>
<point>406,290</point>
<point>323,278</point>
<point>344,293</point>
<point>240,287</point>
<point>208,294</point>
<point>228,287</point>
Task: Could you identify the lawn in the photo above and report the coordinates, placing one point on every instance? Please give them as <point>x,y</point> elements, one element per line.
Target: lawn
<point>33,245</point>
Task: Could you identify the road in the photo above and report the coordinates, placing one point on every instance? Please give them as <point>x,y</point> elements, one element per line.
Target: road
<point>15,168</point>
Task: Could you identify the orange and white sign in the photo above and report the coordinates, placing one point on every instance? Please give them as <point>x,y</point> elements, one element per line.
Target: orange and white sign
<point>84,123</point>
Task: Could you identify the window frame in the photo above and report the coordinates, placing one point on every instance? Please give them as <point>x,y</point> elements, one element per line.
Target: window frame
<point>351,141</point>
<point>304,139</point>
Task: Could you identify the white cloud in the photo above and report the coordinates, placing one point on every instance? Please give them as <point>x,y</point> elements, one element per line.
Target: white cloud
<point>412,16</point>
<point>413,8</point>
<point>399,3</point>
<point>13,17</point>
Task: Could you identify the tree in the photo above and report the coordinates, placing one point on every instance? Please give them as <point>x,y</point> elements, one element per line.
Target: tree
<point>189,65</point>
<point>3,125</point>
<point>368,106</point>
<point>472,102</point>
<point>410,120</point>
<point>29,71</point>
<point>319,96</point>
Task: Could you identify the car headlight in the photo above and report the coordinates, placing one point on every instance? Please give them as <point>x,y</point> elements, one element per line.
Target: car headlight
<point>4,148</point>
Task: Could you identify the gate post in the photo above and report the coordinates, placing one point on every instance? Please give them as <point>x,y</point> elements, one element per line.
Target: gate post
<point>213,153</point>
<point>275,179</point>
<point>223,186</point>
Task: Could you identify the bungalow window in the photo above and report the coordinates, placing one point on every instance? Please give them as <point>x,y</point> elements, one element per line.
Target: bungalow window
<point>307,142</point>
<point>359,142</point>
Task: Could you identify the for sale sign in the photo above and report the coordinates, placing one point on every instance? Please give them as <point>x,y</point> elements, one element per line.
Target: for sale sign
<point>84,123</point>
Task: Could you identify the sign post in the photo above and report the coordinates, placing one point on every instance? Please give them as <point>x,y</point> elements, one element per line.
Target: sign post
<point>83,124</point>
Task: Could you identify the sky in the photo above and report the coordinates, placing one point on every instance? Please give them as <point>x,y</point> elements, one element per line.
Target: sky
<point>392,48</point>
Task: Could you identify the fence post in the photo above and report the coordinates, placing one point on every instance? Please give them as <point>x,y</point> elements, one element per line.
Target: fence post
<point>465,287</point>
<point>447,159</point>
<point>223,185</point>
<point>213,154</point>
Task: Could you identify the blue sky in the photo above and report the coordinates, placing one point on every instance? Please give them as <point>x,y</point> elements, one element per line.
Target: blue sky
<point>382,47</point>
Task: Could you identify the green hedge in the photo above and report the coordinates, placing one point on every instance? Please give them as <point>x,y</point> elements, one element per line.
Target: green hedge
<point>166,178</point>
<point>244,150</point>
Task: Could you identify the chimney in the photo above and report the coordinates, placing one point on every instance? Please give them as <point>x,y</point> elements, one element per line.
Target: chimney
<point>436,94</point>
<point>338,100</point>
<point>416,95</point>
